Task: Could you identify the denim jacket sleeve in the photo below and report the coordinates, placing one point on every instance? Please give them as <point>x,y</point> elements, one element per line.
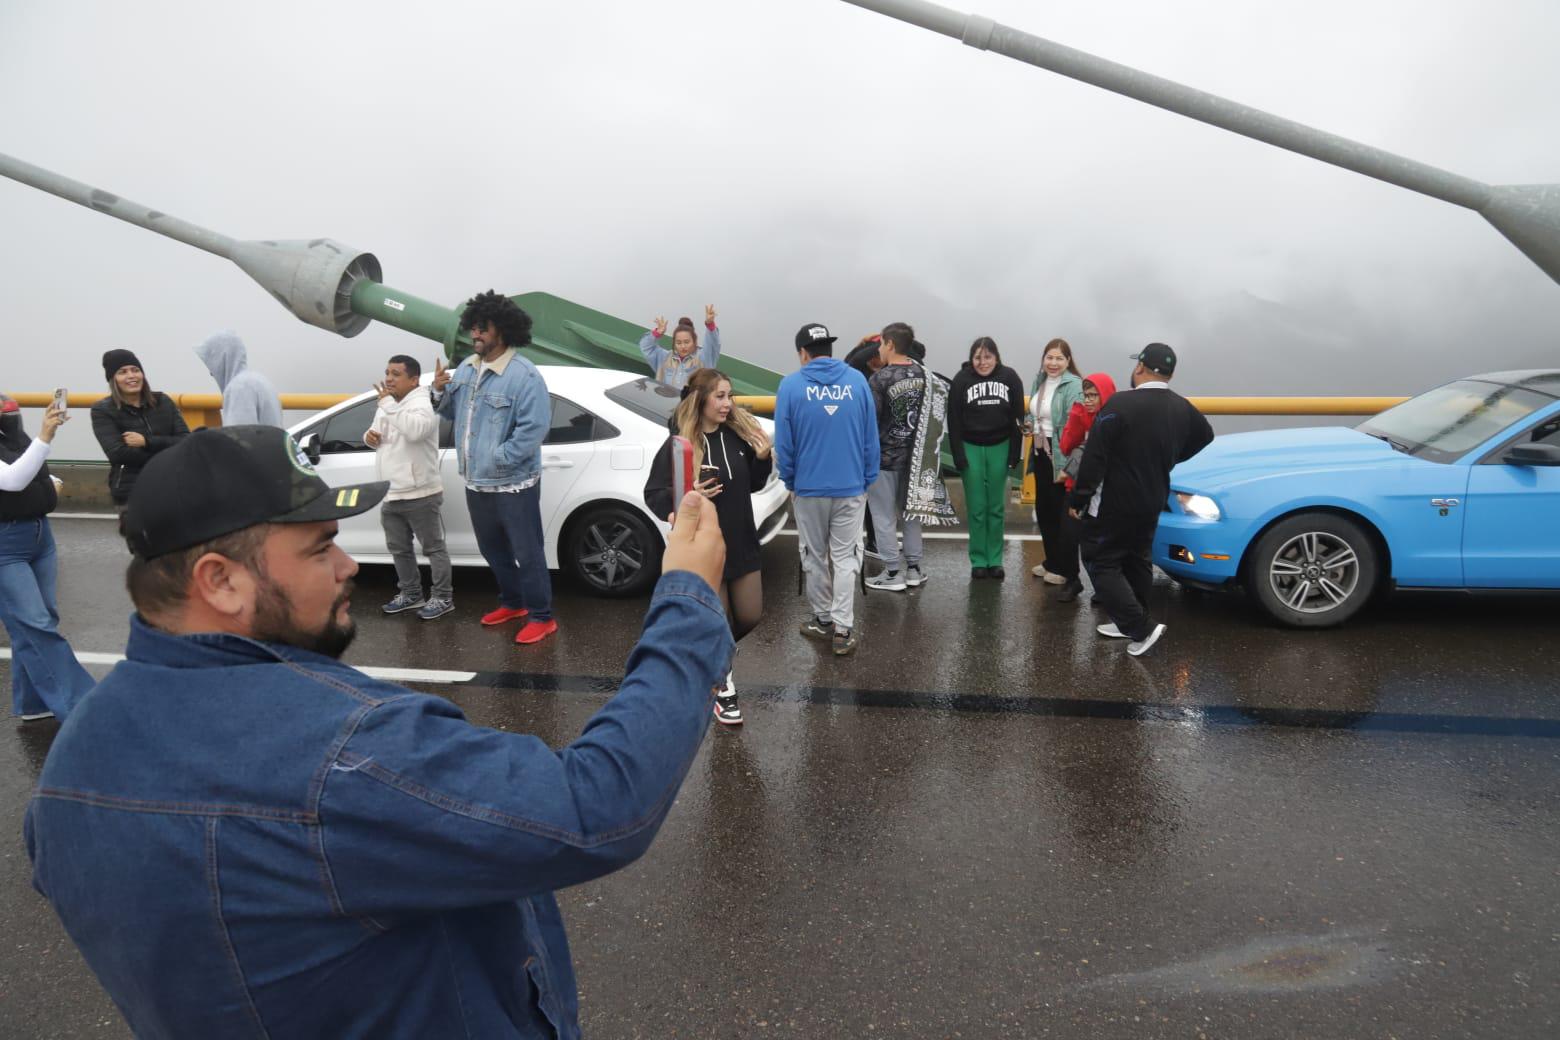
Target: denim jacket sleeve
<point>653,352</point>
<point>533,416</point>
<point>710,348</point>
<point>420,810</point>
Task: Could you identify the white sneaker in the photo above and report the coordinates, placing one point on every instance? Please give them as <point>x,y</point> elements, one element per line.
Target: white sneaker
<point>1142,647</point>
<point>913,576</point>
<point>1053,579</point>
<point>1038,570</point>
<point>888,581</point>
<point>731,687</point>
<point>1111,631</point>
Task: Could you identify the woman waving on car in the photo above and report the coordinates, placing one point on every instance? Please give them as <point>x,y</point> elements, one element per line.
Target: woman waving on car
<point>732,457</point>
<point>674,367</point>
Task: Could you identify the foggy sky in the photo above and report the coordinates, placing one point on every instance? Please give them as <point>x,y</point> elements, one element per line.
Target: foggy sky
<point>790,161</point>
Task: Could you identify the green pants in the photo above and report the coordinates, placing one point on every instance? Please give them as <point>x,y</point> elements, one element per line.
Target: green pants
<point>985,499</point>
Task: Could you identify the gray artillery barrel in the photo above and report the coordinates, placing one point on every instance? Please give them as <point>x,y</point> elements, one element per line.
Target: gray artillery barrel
<point>1528,215</point>
<point>314,279</point>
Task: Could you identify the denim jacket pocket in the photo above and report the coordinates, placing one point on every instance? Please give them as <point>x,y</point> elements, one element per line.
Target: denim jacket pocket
<point>496,407</point>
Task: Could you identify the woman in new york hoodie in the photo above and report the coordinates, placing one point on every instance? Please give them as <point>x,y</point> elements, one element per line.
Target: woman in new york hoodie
<point>985,413</point>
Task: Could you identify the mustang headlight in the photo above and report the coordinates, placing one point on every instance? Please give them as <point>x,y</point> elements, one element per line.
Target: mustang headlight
<point>1200,506</point>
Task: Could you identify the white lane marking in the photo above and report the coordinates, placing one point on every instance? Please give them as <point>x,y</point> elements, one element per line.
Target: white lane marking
<point>940,536</point>
<point>427,675</point>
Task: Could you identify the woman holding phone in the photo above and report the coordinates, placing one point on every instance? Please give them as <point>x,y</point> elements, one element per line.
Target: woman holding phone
<point>731,460</point>
<point>132,423</point>
<point>45,676</point>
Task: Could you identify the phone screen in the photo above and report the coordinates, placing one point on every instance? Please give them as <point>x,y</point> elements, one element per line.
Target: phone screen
<point>60,398</point>
<point>682,470</point>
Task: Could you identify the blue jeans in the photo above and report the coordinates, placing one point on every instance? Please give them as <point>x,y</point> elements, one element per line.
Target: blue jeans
<point>45,675</point>
<point>508,526</point>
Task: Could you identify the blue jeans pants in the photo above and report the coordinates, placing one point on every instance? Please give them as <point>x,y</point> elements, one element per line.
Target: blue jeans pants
<point>508,526</point>
<point>45,675</point>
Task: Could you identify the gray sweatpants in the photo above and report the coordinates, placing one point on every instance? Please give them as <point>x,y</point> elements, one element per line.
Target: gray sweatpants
<point>886,496</point>
<point>829,532</point>
<point>423,518</point>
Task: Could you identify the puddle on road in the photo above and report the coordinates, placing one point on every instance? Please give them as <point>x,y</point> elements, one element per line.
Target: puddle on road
<point>1283,964</point>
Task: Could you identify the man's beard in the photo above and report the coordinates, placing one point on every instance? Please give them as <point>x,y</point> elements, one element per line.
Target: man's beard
<point>274,623</point>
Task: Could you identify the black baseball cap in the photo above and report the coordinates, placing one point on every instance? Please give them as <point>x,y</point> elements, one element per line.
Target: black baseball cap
<point>813,334</point>
<point>217,481</point>
<point>1156,357</point>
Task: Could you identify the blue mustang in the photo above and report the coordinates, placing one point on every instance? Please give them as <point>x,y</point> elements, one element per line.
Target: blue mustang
<point>1458,488</point>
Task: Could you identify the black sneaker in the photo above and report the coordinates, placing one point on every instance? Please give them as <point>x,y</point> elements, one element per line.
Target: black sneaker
<point>726,711</point>
<point>1070,591</point>
<point>980,572</point>
<point>844,641</point>
<point>817,628</point>
<point>998,574</point>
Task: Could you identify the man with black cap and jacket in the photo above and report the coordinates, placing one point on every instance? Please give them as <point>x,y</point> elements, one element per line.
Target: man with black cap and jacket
<point>246,837</point>
<point>1123,485</point>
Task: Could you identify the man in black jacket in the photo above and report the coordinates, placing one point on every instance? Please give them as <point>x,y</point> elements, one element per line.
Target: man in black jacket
<point>1124,483</point>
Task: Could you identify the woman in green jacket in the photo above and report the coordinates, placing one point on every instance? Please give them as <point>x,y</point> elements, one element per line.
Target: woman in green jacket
<point>1057,385</point>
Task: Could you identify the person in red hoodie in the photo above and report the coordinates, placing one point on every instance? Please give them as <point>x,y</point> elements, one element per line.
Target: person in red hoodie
<point>1097,389</point>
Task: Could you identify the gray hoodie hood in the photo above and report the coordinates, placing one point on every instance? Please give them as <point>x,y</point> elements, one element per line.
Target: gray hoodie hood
<point>224,355</point>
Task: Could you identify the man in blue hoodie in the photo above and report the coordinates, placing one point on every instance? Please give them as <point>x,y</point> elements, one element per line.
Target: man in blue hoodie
<point>826,446</point>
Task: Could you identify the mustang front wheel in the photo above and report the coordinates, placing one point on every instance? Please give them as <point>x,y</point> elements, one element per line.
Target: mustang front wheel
<point>1313,570</point>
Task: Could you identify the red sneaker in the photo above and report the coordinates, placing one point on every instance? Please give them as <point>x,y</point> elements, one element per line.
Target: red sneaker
<point>536,631</point>
<point>502,614</point>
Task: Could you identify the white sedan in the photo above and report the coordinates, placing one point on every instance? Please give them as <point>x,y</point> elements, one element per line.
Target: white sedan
<point>606,428</point>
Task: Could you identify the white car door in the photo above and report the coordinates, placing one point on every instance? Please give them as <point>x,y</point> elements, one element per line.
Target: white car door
<point>345,459</point>
<point>566,455</point>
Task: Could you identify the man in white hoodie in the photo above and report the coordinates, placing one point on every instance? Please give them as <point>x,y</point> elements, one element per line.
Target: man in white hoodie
<point>248,397</point>
<point>405,439</point>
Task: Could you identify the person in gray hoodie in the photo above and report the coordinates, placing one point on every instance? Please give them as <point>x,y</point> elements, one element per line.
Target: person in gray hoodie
<point>248,397</point>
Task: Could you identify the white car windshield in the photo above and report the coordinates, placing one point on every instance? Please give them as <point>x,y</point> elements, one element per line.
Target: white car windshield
<point>1449,421</point>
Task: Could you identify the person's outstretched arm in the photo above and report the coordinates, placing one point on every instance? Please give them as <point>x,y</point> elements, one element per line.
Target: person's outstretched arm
<point>420,810</point>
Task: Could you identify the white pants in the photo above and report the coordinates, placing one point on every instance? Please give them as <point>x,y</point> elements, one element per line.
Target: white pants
<point>829,532</point>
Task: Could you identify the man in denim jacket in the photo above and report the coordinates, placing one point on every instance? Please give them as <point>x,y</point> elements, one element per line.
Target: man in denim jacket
<point>246,837</point>
<point>501,410</point>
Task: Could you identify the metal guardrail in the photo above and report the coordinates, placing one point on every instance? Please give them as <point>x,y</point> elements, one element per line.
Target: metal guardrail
<point>206,409</point>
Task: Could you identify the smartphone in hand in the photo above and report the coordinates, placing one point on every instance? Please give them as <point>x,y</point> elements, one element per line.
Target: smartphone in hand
<point>708,472</point>
<point>60,398</point>
<point>682,469</point>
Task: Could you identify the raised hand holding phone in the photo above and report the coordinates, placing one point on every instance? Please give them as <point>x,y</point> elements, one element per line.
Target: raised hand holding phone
<point>682,468</point>
<point>61,402</point>
<point>696,544</point>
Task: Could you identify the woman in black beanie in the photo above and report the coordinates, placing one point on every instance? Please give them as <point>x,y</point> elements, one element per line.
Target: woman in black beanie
<point>132,423</point>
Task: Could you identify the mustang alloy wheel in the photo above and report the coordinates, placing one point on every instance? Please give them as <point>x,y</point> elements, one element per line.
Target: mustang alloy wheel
<point>1313,570</point>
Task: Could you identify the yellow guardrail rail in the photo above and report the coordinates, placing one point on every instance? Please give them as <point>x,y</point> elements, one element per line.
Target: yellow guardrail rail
<point>206,409</point>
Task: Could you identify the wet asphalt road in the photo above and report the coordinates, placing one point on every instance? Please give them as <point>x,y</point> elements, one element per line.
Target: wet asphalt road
<point>992,823</point>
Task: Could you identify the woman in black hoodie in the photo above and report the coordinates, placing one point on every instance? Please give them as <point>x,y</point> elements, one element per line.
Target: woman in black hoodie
<point>132,423</point>
<point>985,410</point>
<point>733,458</point>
